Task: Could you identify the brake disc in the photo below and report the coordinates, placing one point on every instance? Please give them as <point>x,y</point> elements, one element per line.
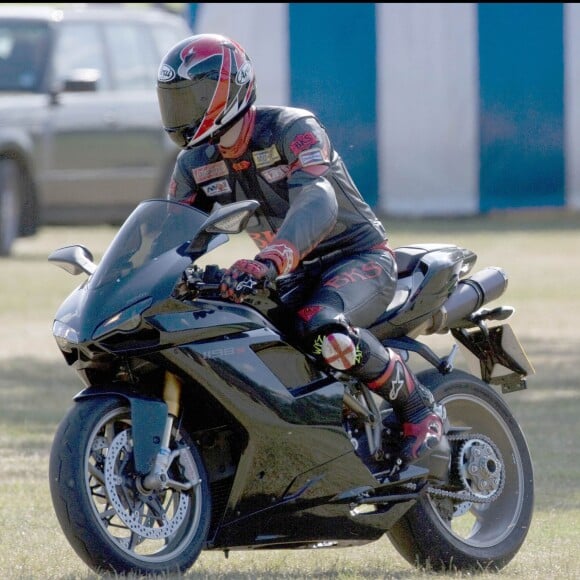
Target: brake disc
<point>145,514</point>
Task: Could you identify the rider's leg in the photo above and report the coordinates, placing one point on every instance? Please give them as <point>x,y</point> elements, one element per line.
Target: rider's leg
<point>413,405</point>
<point>347,300</point>
<point>359,353</point>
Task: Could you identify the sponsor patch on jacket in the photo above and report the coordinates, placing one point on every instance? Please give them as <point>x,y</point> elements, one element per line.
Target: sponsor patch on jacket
<point>217,188</point>
<point>211,171</point>
<point>274,174</point>
<point>302,142</point>
<point>266,157</point>
<point>311,157</point>
<point>241,165</point>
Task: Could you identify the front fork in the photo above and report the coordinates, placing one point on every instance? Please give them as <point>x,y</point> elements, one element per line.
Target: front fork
<point>157,478</point>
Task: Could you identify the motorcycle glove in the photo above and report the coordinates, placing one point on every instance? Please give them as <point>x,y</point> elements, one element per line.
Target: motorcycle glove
<point>244,277</point>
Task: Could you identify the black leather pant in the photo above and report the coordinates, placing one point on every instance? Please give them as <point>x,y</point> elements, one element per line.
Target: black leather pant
<point>347,297</point>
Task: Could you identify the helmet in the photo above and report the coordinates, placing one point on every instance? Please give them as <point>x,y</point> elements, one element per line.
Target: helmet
<point>205,84</point>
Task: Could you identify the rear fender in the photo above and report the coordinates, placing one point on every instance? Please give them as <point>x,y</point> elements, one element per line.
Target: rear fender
<point>148,418</point>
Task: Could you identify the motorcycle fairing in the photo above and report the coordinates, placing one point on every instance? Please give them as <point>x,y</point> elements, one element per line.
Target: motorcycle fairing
<point>270,488</point>
<point>151,245</point>
<point>308,513</point>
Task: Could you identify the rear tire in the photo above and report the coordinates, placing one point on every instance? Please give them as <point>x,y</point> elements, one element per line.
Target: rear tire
<point>10,204</point>
<point>447,535</point>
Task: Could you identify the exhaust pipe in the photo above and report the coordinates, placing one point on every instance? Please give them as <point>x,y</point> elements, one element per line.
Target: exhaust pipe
<point>469,295</point>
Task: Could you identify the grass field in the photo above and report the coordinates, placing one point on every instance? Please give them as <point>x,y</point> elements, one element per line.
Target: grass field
<point>540,252</point>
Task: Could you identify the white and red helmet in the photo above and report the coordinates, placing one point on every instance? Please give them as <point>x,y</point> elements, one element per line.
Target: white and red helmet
<point>205,84</point>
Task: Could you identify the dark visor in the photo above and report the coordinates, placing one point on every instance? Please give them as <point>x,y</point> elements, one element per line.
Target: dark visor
<point>180,108</point>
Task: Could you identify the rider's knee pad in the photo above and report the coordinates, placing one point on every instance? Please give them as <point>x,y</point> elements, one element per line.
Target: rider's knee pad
<point>338,349</point>
<point>332,338</point>
<point>336,343</point>
<point>353,350</point>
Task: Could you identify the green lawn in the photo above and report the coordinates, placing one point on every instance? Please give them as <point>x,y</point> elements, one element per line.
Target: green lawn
<point>540,252</point>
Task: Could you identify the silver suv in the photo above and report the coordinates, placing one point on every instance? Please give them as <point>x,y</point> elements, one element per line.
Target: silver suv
<point>81,139</point>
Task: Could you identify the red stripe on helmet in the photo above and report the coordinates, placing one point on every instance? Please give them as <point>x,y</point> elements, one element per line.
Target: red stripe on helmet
<point>220,96</point>
<point>194,53</point>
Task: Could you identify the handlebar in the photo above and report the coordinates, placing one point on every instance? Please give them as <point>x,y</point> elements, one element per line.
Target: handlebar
<point>197,281</point>
<point>205,287</point>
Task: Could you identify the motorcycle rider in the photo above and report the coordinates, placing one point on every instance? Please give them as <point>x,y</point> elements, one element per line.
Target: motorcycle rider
<point>312,218</point>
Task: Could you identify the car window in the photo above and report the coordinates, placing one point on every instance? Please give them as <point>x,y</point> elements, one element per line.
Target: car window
<point>80,51</point>
<point>133,58</point>
<point>166,36</point>
<point>23,50</point>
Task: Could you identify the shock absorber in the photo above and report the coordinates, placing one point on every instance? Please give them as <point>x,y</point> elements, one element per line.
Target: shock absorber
<point>157,478</point>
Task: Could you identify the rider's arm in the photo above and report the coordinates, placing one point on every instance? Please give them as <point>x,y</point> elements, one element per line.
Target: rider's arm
<point>313,204</point>
<point>182,186</point>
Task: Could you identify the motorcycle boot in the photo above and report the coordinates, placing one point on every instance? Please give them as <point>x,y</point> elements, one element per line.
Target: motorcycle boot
<point>413,405</point>
<point>357,352</point>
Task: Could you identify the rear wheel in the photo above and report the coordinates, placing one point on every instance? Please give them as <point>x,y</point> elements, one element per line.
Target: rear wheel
<point>114,523</point>
<point>481,520</point>
<point>10,204</point>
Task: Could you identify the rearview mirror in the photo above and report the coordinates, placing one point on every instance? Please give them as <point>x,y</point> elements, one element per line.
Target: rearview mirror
<point>74,259</point>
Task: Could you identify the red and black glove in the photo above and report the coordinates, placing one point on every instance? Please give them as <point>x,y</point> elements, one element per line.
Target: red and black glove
<point>243,277</point>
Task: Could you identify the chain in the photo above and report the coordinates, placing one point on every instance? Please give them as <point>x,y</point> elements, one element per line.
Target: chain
<point>464,495</point>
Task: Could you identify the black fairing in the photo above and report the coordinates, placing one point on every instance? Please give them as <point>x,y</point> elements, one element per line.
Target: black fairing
<point>144,261</point>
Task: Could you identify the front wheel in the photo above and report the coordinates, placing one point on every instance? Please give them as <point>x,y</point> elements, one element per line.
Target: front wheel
<point>106,513</point>
<point>9,204</point>
<point>480,521</point>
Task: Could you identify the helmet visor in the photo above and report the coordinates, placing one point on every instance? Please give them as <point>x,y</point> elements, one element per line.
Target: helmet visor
<point>182,110</point>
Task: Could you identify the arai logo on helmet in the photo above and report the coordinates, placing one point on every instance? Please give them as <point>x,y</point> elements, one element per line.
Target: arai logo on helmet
<point>166,73</point>
<point>244,74</point>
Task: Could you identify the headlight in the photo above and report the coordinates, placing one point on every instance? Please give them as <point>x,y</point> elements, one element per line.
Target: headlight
<point>64,335</point>
<point>125,320</point>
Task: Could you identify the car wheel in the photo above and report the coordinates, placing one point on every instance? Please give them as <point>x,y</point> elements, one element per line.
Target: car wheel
<point>9,205</point>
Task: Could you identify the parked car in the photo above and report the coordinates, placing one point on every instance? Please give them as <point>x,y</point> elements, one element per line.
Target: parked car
<point>81,139</point>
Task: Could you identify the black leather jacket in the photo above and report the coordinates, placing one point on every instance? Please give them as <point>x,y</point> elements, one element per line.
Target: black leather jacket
<point>308,199</point>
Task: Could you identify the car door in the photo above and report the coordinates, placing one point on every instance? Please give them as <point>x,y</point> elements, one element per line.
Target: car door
<point>134,63</point>
<point>103,148</point>
<point>81,130</point>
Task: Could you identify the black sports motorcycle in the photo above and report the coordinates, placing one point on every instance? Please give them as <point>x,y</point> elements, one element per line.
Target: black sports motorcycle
<point>203,424</point>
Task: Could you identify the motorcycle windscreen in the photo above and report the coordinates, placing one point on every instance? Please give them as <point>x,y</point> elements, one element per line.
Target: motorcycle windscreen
<point>145,260</point>
<point>154,228</point>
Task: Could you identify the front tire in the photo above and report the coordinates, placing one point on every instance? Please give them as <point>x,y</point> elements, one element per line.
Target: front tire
<point>111,521</point>
<point>449,534</point>
<point>10,204</point>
